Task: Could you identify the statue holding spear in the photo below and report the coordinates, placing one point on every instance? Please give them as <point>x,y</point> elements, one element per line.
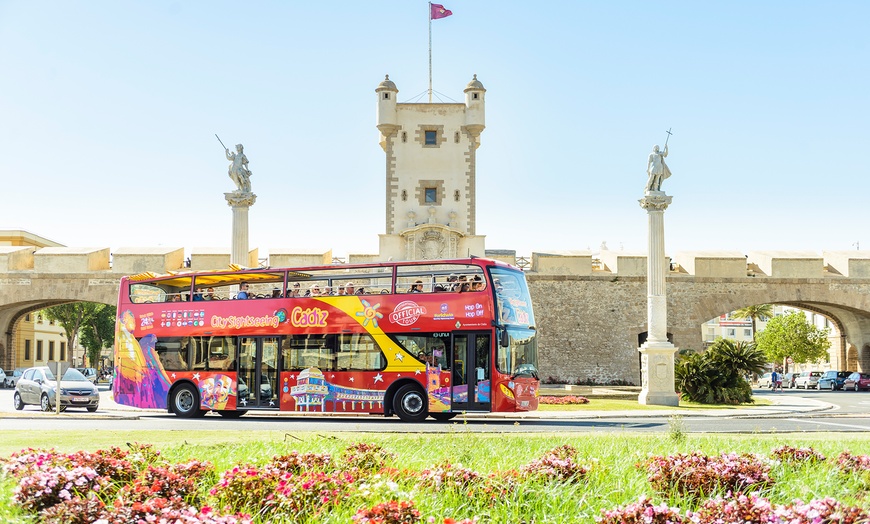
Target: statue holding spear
<point>238,169</point>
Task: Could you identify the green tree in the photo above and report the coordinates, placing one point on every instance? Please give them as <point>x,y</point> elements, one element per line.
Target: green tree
<point>754,313</point>
<point>71,317</point>
<point>792,336</point>
<point>98,333</point>
<point>717,375</point>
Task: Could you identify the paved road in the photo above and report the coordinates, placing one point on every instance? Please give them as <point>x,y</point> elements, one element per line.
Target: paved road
<point>792,411</point>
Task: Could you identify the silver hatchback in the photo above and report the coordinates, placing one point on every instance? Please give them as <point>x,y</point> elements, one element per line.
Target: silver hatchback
<point>37,386</point>
<point>808,379</point>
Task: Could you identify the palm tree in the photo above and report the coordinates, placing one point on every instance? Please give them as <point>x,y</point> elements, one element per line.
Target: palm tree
<point>758,311</point>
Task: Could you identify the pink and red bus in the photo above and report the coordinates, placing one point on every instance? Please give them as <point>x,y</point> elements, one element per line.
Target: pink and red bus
<point>414,339</point>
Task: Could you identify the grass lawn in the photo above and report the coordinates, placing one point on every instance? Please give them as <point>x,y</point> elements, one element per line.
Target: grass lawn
<point>614,480</point>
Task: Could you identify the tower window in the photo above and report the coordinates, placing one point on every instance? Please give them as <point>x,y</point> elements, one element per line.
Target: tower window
<point>386,96</point>
<point>431,195</point>
<point>475,96</point>
<point>456,195</point>
<point>404,136</point>
<point>404,195</point>
<point>431,138</point>
<point>456,137</point>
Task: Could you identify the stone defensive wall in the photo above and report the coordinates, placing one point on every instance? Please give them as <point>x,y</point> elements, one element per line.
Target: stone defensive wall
<point>590,312</point>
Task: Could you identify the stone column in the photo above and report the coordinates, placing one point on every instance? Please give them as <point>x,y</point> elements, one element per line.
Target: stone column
<point>240,202</point>
<point>657,354</point>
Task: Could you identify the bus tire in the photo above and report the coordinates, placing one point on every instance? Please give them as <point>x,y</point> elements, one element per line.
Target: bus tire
<point>225,413</point>
<point>185,401</point>
<point>442,417</point>
<point>410,403</point>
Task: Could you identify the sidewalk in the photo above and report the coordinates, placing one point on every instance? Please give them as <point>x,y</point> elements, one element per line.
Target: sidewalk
<point>781,406</point>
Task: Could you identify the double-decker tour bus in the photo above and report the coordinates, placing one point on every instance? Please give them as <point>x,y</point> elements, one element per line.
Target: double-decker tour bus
<point>415,339</point>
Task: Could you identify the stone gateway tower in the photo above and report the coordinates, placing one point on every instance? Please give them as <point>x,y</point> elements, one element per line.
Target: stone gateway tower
<point>431,175</point>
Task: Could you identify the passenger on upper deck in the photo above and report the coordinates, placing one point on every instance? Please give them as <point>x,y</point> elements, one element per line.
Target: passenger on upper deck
<point>327,291</point>
<point>349,289</point>
<point>477,283</point>
<point>243,291</point>
<point>209,294</point>
<point>276,293</point>
<point>198,295</point>
<point>417,287</point>
<point>314,291</point>
<point>296,291</point>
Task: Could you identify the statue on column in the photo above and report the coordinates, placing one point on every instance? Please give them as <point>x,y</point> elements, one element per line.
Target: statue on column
<point>656,169</point>
<point>238,170</point>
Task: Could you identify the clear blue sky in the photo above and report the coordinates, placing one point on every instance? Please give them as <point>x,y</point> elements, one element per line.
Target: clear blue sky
<point>108,111</point>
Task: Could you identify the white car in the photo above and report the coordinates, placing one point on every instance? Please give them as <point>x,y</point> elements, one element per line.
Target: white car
<point>764,381</point>
<point>2,378</point>
<point>808,379</point>
<point>12,378</point>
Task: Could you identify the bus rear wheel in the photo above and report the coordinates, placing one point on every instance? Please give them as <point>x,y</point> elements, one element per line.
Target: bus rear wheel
<point>442,417</point>
<point>410,403</point>
<point>185,401</point>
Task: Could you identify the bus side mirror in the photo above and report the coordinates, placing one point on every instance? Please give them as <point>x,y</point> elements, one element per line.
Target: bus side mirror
<point>504,339</point>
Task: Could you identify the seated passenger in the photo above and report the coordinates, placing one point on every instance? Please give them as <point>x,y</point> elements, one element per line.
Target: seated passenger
<point>314,291</point>
<point>209,295</point>
<point>296,291</point>
<point>327,291</point>
<point>243,291</point>
<point>417,287</point>
<point>198,295</point>
<point>477,283</point>
<point>276,293</point>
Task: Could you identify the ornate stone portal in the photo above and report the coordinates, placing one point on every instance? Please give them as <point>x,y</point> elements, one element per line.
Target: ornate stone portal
<point>657,354</point>
<point>431,242</point>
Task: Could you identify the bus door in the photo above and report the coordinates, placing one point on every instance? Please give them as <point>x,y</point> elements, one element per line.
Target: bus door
<point>471,372</point>
<point>258,373</point>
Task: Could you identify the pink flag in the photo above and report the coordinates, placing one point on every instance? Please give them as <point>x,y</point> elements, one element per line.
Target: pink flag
<point>437,11</point>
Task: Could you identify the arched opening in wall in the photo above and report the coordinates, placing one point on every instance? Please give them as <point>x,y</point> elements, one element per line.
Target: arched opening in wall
<point>79,333</point>
<point>745,325</point>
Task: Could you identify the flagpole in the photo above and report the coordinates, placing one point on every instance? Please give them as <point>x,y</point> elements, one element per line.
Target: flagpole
<point>430,51</point>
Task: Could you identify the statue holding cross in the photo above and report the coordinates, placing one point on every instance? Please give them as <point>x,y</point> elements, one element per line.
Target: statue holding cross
<point>656,168</point>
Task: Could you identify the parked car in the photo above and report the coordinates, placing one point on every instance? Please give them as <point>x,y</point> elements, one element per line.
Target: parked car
<point>37,387</point>
<point>857,381</point>
<point>808,380</point>
<point>89,373</point>
<point>12,378</point>
<point>2,378</point>
<point>833,380</point>
<point>788,380</point>
<point>764,381</point>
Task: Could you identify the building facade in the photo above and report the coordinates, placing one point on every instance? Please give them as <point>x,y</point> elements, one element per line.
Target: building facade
<point>431,174</point>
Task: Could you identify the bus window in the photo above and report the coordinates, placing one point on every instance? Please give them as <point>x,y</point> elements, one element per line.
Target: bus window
<point>307,351</point>
<point>428,349</point>
<point>173,353</point>
<point>214,353</point>
<point>146,294</point>
<point>359,352</point>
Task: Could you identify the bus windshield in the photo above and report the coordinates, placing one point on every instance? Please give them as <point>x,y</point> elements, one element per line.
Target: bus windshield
<point>512,298</point>
<point>520,356</point>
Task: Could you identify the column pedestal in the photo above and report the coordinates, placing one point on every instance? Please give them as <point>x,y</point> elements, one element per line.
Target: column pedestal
<point>240,202</point>
<point>657,354</point>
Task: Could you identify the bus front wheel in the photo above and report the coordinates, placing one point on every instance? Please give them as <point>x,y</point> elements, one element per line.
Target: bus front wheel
<point>185,401</point>
<point>410,403</point>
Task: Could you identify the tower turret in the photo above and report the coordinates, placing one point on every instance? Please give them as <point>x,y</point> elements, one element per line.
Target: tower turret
<point>387,117</point>
<point>475,121</point>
